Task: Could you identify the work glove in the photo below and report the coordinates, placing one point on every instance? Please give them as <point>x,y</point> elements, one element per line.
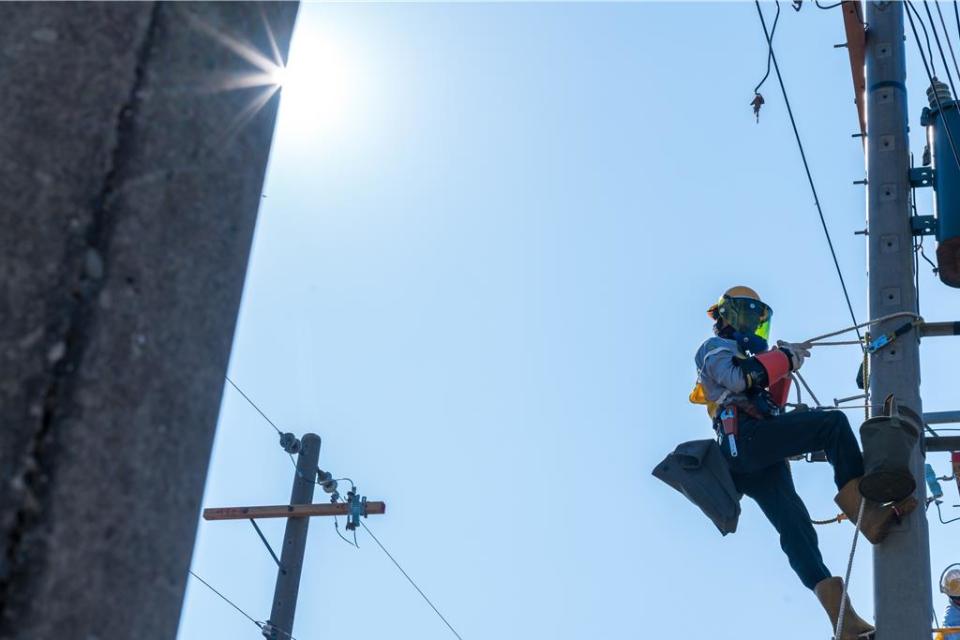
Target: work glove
<point>795,351</point>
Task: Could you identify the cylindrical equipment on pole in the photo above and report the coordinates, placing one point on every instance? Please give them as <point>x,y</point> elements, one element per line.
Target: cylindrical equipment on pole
<point>942,119</point>
<point>902,593</point>
<point>280,625</point>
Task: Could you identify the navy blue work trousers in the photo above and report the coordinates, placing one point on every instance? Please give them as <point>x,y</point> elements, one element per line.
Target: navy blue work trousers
<point>761,471</point>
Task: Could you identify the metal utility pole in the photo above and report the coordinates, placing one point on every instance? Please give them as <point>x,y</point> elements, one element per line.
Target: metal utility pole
<point>902,562</point>
<point>285,593</point>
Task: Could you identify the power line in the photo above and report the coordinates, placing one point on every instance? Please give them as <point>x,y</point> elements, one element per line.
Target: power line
<point>253,404</point>
<point>946,36</point>
<point>806,166</point>
<point>410,580</point>
<point>930,77</point>
<point>936,37</point>
<point>773,30</point>
<point>228,601</point>
<point>925,35</point>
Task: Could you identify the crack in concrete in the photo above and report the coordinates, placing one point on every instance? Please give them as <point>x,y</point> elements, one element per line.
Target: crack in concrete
<point>68,337</point>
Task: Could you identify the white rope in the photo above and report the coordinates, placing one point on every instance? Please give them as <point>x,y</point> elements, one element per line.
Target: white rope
<point>807,387</point>
<point>817,340</point>
<point>846,578</point>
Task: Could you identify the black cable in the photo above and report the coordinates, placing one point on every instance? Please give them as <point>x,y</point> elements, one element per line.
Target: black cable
<point>410,580</point>
<point>956,14</point>
<point>943,57</point>
<point>936,94</point>
<point>773,30</point>
<point>252,404</point>
<point>940,515</point>
<point>228,601</point>
<point>829,6</point>
<point>806,166</point>
<point>925,34</point>
<point>946,36</point>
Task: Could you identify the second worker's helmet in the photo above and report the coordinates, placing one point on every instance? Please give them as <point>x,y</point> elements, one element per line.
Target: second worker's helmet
<point>742,309</point>
<point>950,581</point>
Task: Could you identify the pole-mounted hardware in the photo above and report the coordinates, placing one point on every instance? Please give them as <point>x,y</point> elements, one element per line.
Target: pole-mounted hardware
<point>297,513</point>
<point>290,443</point>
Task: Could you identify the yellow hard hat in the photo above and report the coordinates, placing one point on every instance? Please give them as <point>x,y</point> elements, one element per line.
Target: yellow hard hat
<point>739,291</point>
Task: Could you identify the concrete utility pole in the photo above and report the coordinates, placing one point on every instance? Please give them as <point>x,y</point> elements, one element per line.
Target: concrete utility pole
<point>902,562</point>
<point>298,514</point>
<point>285,593</point>
<point>128,201</point>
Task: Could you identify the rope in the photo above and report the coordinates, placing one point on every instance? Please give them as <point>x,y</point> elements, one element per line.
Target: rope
<point>816,341</point>
<point>807,387</point>
<point>410,580</point>
<point>806,165</point>
<point>846,578</point>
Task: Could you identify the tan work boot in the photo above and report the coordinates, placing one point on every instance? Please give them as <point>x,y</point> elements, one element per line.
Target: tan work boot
<point>829,591</point>
<point>877,518</point>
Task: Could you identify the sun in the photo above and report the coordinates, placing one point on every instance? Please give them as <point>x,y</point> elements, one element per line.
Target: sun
<point>319,87</point>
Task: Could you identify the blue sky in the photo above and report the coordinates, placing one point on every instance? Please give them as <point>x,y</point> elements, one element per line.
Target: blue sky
<point>480,274</point>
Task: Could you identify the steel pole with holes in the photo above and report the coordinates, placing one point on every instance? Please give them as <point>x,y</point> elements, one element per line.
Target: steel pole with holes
<point>901,563</point>
<point>280,625</point>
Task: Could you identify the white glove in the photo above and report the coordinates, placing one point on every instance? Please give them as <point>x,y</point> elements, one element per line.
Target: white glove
<point>796,351</point>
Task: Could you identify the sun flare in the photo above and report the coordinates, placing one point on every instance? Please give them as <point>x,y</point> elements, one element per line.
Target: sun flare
<point>319,85</point>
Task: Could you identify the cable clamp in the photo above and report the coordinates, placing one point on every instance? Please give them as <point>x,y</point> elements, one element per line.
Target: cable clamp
<point>357,506</point>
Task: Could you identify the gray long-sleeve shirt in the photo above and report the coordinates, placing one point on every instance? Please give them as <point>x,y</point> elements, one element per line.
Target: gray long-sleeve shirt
<point>722,380</point>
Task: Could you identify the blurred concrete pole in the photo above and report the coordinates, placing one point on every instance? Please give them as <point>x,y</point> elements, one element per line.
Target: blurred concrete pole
<point>902,562</point>
<point>129,189</point>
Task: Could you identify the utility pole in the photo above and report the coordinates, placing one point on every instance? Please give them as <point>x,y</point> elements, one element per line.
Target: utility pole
<point>298,514</point>
<point>901,563</point>
<point>294,542</point>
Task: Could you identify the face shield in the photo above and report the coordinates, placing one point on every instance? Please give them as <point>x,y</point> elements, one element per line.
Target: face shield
<point>746,315</point>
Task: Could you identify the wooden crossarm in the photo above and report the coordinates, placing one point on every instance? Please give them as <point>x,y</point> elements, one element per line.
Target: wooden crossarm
<point>289,511</point>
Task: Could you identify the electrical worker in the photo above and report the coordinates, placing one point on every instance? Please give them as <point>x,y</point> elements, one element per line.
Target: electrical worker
<point>950,587</point>
<point>744,384</point>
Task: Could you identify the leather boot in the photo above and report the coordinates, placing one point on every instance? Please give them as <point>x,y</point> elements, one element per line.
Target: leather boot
<point>829,591</point>
<point>877,518</point>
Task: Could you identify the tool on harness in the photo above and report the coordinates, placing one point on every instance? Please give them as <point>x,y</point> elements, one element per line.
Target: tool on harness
<point>730,427</point>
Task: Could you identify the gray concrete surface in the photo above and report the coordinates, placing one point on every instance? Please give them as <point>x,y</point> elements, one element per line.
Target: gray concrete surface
<point>128,198</point>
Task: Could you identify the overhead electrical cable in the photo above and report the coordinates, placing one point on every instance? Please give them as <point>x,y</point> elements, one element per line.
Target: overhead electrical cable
<point>925,35</point>
<point>943,57</point>
<point>410,580</point>
<point>773,30</point>
<point>946,36</point>
<point>930,77</point>
<point>253,404</point>
<point>228,601</point>
<point>806,166</point>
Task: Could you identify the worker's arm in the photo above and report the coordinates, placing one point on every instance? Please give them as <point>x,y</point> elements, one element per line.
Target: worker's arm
<point>738,375</point>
